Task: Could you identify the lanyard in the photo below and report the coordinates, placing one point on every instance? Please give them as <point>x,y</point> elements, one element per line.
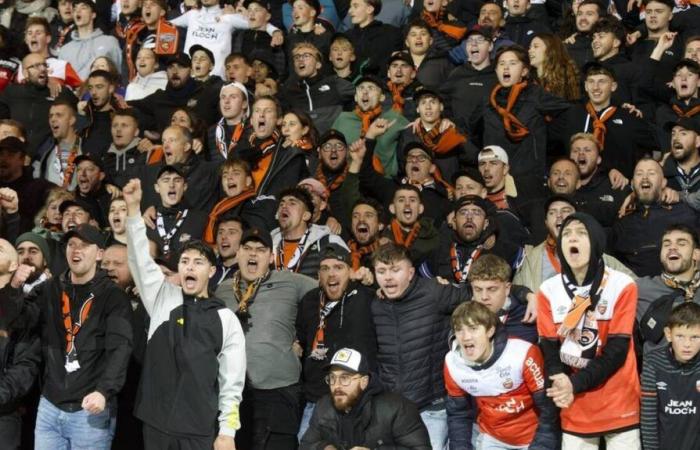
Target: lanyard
<point>461,273</point>
<point>73,328</point>
<point>166,237</point>
<point>295,262</point>
<point>220,135</point>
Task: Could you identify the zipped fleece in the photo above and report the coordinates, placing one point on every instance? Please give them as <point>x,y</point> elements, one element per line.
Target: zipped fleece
<point>195,359</point>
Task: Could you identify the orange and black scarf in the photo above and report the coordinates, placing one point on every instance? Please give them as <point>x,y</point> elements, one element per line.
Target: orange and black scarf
<point>397,233</point>
<point>337,181</point>
<point>357,252</point>
<point>264,145</point>
<point>515,129</point>
<point>220,208</point>
<point>304,144</point>
<point>436,21</point>
<point>599,128</point>
<point>367,117</point>
<point>686,114</point>
<point>397,100</point>
<point>440,143</point>
<point>550,246</point>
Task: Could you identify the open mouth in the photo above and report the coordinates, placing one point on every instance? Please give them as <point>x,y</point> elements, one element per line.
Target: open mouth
<point>574,250</point>
<point>675,145</point>
<point>362,231</point>
<point>252,265</point>
<point>645,185</point>
<point>117,221</point>
<point>172,196</point>
<point>673,256</point>
<point>189,282</point>
<point>408,213</point>
<point>506,77</point>
<point>225,246</point>
<point>76,259</point>
<point>232,186</point>
<point>71,225</point>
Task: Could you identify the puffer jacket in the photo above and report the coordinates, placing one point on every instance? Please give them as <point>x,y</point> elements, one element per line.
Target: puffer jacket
<point>412,339</point>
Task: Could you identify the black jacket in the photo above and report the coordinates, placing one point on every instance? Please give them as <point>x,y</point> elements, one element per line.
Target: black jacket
<point>412,336</point>
<point>521,30</point>
<point>628,79</point>
<point>434,69</point>
<point>465,87</point>
<point>636,238</point>
<point>192,226</point>
<point>103,343</point>
<point>349,324</point>
<point>32,194</point>
<point>599,199</point>
<point>20,349</point>
<point>122,165</point>
<point>680,181</point>
<point>97,135</point>
<point>379,420</point>
<point>581,51</point>
<point>29,104</point>
<point>322,97</point>
<point>288,167</point>
<point>666,114</point>
<point>374,44</point>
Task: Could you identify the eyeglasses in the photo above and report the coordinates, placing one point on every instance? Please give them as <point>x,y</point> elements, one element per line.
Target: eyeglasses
<point>470,213</point>
<point>328,148</point>
<point>301,56</point>
<point>41,65</point>
<point>343,380</point>
<point>417,158</point>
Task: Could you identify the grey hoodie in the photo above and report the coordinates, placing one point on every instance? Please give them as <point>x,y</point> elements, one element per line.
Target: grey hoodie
<point>81,52</point>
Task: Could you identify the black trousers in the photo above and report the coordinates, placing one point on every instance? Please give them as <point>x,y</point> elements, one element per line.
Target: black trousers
<point>10,431</point>
<point>270,418</point>
<point>154,439</point>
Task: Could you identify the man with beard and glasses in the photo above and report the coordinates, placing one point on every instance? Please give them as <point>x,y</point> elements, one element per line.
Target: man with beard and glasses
<point>33,250</point>
<point>677,283</point>
<point>408,308</point>
<point>682,166</point>
<point>471,237</point>
<point>636,237</point>
<point>266,302</point>
<point>357,414</point>
<point>585,320</point>
<point>98,111</point>
<point>334,315</point>
<point>541,261</point>
<point>19,342</point>
<point>595,193</point>
<point>195,357</point>
<point>332,171</point>
<point>29,102</point>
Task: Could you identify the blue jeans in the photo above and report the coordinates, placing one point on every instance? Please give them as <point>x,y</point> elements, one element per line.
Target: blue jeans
<point>487,442</point>
<point>80,430</point>
<point>436,423</point>
<point>305,419</point>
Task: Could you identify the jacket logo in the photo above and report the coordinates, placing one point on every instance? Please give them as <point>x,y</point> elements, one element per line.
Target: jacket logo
<point>606,198</point>
<point>181,321</point>
<point>184,237</point>
<point>602,307</point>
<point>529,32</point>
<point>476,84</point>
<point>661,385</point>
<point>324,88</point>
<point>508,383</point>
<point>617,121</point>
<point>192,102</point>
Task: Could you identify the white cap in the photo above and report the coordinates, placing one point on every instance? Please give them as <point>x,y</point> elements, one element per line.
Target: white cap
<point>491,152</point>
<point>240,87</point>
<point>350,360</point>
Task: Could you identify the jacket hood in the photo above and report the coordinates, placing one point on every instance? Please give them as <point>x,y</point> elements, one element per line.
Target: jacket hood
<point>95,33</point>
<point>596,236</point>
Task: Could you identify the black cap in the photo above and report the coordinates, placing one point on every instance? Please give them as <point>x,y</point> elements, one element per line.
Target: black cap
<point>12,144</point>
<point>413,145</point>
<point>208,52</point>
<point>257,234</point>
<point>89,3</point>
<point>486,32</point>
<point>262,3</point>
<point>79,202</point>
<point>475,200</point>
<point>88,233</point>
<point>689,123</point>
<point>169,168</point>
<point>369,79</point>
<point>336,251</point>
<point>332,134</point>
<point>182,59</point>
<point>266,58</point>
<point>425,92</point>
<point>402,56</point>
<point>350,360</point>
<point>89,157</point>
<point>471,173</point>
<point>558,198</point>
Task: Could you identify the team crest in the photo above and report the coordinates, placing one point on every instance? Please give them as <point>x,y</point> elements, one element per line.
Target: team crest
<point>184,237</point>
<point>602,307</point>
<point>508,383</point>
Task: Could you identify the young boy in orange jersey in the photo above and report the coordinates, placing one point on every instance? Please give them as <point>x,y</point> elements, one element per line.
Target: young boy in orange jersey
<point>506,376</point>
<point>585,318</point>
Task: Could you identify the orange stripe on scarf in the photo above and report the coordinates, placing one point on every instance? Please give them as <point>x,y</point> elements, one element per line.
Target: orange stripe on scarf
<point>367,117</point>
<point>220,208</point>
<point>686,114</point>
<point>515,129</point>
<point>397,100</point>
<point>441,143</point>
<point>599,128</point>
<point>397,232</point>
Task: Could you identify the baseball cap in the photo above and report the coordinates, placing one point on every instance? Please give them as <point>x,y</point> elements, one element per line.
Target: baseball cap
<point>336,251</point>
<point>417,145</point>
<point>89,157</point>
<point>687,123</point>
<point>182,59</point>
<point>426,92</point>
<point>257,234</point>
<point>558,198</point>
<point>87,233</point>
<point>79,203</point>
<point>491,152</point>
<point>349,360</point>
<point>208,52</point>
<point>262,3</point>
<point>402,56</point>
<point>475,200</point>
<point>169,168</point>
<point>13,144</point>
<point>332,134</point>
<point>369,79</point>
<point>486,32</point>
<point>471,173</point>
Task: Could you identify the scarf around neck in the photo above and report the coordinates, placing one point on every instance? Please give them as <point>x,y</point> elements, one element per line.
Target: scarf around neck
<point>515,129</point>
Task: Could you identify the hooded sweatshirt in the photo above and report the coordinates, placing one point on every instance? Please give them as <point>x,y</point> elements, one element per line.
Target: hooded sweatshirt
<point>597,354</point>
<point>80,52</point>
